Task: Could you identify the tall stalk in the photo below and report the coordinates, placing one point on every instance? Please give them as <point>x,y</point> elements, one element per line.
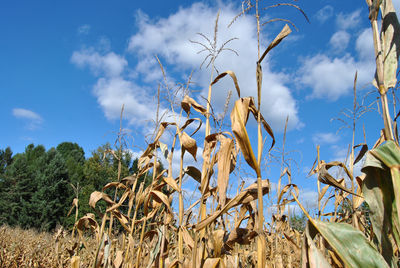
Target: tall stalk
<point>382,89</point>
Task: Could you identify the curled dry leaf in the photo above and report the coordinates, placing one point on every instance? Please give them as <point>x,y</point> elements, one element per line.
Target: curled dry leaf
<point>285,190</point>
<point>326,178</point>
<point>211,263</point>
<point>96,196</point>
<point>364,149</point>
<point>160,197</point>
<point>283,33</point>
<point>114,184</point>
<point>193,172</point>
<point>172,182</point>
<point>390,38</point>
<point>188,102</point>
<point>233,76</point>
<point>239,117</point>
<point>188,144</point>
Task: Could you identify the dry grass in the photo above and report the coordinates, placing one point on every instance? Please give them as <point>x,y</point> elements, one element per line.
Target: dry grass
<point>28,248</point>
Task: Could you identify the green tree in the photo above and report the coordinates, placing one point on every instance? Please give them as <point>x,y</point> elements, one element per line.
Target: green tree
<point>298,221</point>
<point>51,201</point>
<point>20,185</point>
<point>5,159</point>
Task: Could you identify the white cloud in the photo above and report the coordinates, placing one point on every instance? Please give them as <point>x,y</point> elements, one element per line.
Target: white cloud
<point>112,93</point>
<point>113,90</point>
<point>110,64</point>
<point>324,13</point>
<point>325,138</point>
<point>169,38</point>
<point>33,119</point>
<point>365,45</point>
<point>339,41</point>
<point>84,29</point>
<point>328,78</point>
<point>332,77</point>
<point>349,20</point>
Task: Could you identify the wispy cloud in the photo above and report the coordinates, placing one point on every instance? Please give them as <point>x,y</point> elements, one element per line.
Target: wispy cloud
<point>33,120</point>
<point>331,77</point>
<point>84,29</point>
<point>325,138</point>
<point>324,13</point>
<point>339,41</point>
<point>351,20</point>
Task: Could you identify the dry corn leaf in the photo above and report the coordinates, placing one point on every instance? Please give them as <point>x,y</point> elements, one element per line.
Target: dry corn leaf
<point>364,149</point>
<point>326,178</point>
<point>188,102</point>
<point>118,259</point>
<point>171,182</point>
<point>193,172</point>
<point>285,190</point>
<point>246,196</point>
<point>283,33</point>
<point>161,197</point>
<point>323,191</point>
<point>358,200</point>
<point>188,144</point>
<point>187,238</point>
<point>224,167</point>
<point>233,76</point>
<point>242,236</point>
<point>96,196</point>
<point>121,200</point>
<point>114,184</point>
<point>239,117</point>
<point>218,241</point>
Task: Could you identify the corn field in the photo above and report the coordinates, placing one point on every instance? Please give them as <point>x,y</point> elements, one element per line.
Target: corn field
<point>358,219</point>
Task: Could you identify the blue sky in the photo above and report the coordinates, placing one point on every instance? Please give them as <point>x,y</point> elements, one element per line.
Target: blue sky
<point>67,67</point>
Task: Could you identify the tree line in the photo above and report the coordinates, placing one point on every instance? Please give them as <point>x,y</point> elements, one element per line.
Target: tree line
<point>38,186</point>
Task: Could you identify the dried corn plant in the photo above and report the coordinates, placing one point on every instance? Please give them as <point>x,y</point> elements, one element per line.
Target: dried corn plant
<point>366,234</point>
<point>162,237</point>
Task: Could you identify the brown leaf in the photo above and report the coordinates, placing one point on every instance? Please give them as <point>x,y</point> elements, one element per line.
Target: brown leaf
<point>160,197</point>
<point>224,163</point>
<point>114,184</point>
<point>239,117</point>
<point>171,182</point>
<point>118,259</point>
<point>284,33</point>
<point>188,102</point>
<point>96,196</point>
<point>364,149</point>
<point>233,76</point>
<point>194,173</point>
<point>187,238</point>
<point>188,144</point>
